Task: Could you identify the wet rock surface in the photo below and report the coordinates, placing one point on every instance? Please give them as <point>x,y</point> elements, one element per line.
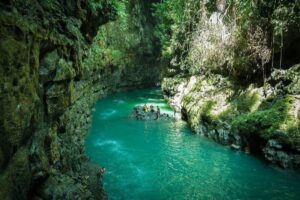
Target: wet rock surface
<point>277,153</point>
<point>140,114</point>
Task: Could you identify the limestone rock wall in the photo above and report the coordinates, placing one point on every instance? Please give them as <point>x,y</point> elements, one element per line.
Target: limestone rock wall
<point>46,94</point>
<point>44,99</point>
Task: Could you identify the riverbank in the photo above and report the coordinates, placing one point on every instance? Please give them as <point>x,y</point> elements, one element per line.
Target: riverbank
<point>257,119</point>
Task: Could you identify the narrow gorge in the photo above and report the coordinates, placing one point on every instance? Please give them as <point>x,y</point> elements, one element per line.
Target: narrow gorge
<point>230,68</point>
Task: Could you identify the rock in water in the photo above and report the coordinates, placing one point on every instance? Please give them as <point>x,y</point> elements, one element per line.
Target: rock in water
<point>139,113</point>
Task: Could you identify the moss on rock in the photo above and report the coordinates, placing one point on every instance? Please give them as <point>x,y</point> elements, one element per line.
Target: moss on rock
<point>17,179</point>
<point>272,120</point>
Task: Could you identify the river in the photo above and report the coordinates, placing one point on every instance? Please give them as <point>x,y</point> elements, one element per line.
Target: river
<point>163,159</point>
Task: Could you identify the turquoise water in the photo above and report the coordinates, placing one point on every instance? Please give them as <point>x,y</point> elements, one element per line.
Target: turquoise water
<point>164,160</point>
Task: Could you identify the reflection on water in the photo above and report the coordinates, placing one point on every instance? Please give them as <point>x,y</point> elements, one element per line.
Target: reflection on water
<point>164,160</point>
<point>119,101</point>
<point>107,113</point>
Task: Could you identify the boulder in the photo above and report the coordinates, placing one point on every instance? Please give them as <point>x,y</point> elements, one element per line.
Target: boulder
<point>270,154</point>
<point>274,153</point>
<point>284,159</point>
<point>212,134</point>
<point>201,129</point>
<point>296,160</point>
<point>139,114</point>
<point>275,144</point>
<point>223,136</point>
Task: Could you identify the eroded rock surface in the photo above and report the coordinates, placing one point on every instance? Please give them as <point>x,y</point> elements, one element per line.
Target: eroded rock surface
<point>47,89</point>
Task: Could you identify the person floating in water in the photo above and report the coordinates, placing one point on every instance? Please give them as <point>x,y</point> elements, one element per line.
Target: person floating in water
<point>101,171</point>
<point>158,112</point>
<point>152,108</point>
<point>145,108</point>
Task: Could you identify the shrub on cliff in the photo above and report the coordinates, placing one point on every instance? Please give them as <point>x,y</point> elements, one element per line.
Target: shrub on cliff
<point>274,119</point>
<point>235,37</point>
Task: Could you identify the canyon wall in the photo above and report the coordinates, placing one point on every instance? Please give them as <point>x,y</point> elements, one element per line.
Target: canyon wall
<point>49,80</point>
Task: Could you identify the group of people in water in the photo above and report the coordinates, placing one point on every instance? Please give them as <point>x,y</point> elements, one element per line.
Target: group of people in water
<point>151,109</point>
<point>148,112</point>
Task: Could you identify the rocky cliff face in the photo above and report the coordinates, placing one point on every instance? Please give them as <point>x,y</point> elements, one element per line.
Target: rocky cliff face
<point>47,90</point>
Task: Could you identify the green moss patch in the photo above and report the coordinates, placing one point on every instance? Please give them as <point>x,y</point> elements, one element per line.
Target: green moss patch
<point>272,120</point>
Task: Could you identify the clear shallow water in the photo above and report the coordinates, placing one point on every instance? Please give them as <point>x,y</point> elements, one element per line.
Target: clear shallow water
<point>164,160</point>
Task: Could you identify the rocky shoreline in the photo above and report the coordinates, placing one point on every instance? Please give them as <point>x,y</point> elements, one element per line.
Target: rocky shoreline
<point>217,110</point>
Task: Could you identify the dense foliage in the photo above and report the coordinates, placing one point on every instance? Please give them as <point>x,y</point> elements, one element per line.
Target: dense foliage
<point>240,38</point>
<point>127,38</point>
